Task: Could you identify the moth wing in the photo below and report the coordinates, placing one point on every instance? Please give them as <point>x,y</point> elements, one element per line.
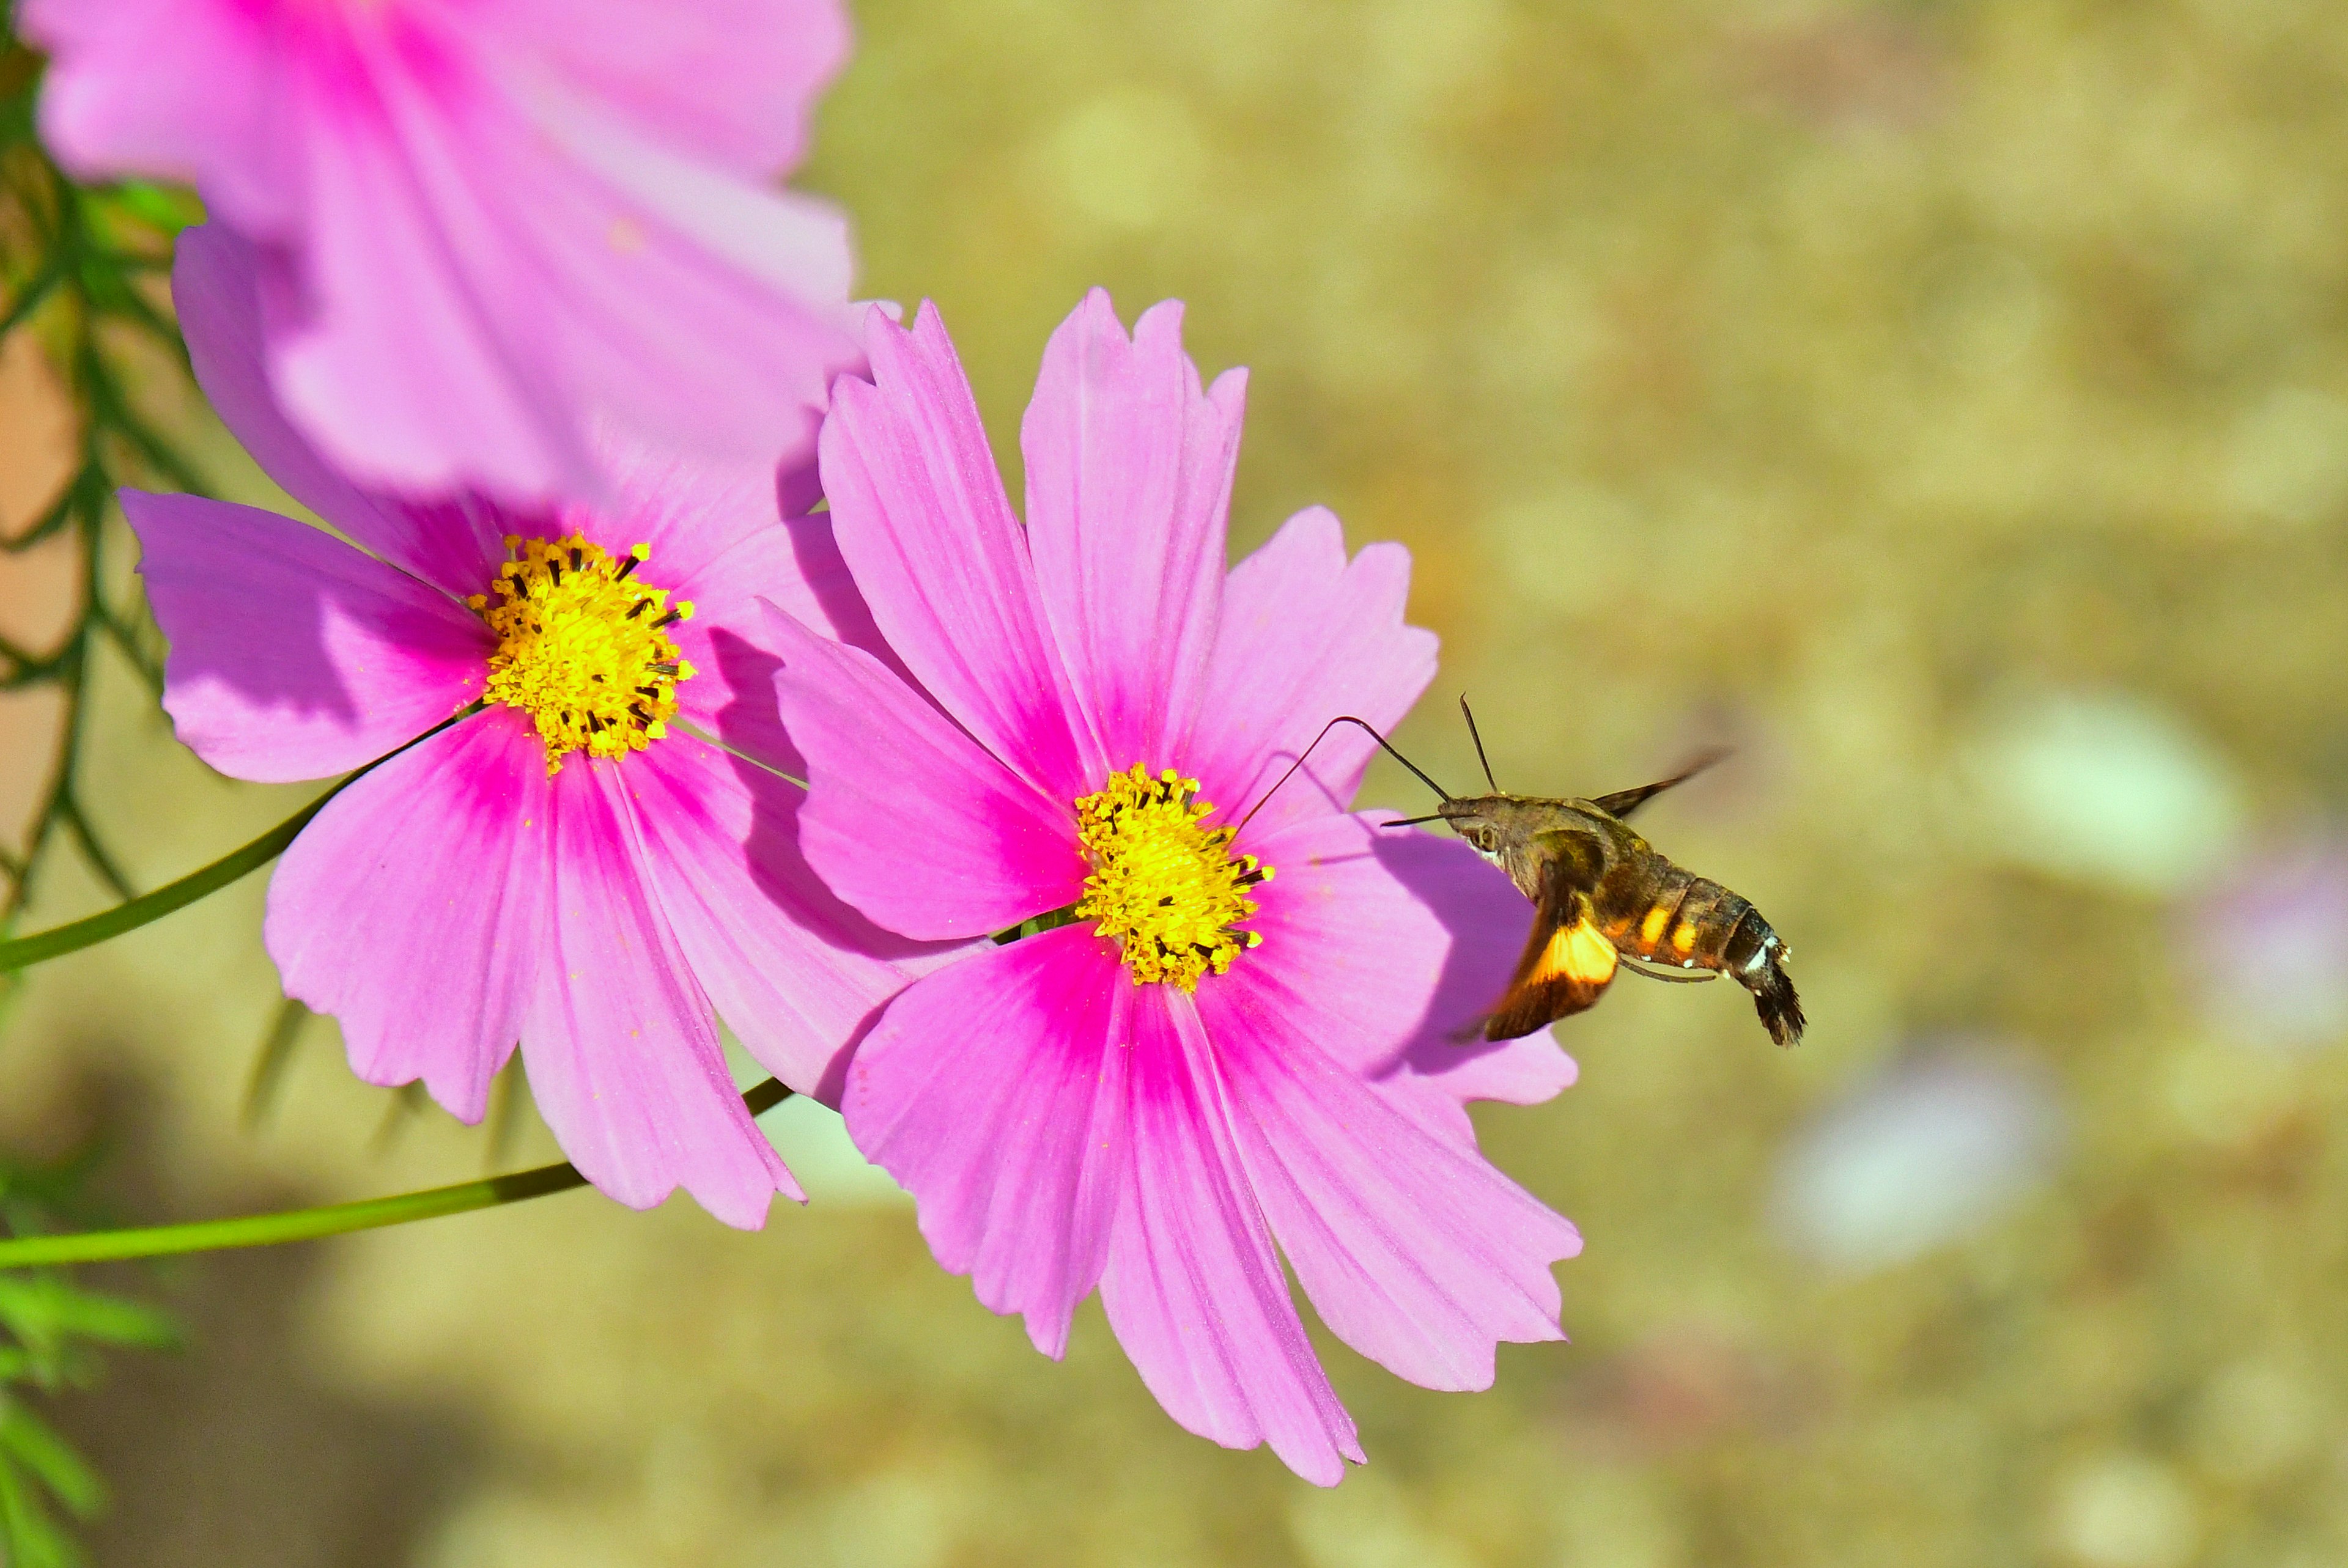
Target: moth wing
<point>1566,963</point>
<point>1575,852</point>
<point>1623,802</point>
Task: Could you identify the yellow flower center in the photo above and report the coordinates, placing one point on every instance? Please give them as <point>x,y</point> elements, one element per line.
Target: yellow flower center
<point>1169,890</point>
<point>581,647</point>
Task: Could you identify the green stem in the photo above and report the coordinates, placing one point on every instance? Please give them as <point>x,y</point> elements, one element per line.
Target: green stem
<point>308,1224</point>
<point>22,952</point>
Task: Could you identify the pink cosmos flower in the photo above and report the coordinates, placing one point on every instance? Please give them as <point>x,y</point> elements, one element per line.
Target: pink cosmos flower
<point>1227,1046</point>
<point>567,867</point>
<point>485,225</point>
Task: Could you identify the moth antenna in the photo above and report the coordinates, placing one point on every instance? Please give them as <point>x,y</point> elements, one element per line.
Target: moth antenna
<point>1469,713</point>
<point>1366,728</point>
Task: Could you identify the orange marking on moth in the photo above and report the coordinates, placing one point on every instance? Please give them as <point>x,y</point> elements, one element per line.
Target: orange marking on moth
<point>1684,939</point>
<point>1579,952</point>
<point>1652,931</point>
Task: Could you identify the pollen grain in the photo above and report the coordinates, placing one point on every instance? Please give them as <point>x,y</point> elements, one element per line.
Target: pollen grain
<point>583,647</point>
<point>1167,888</point>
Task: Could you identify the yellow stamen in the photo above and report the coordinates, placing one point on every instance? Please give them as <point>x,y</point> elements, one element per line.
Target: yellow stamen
<point>1169,890</point>
<point>581,647</point>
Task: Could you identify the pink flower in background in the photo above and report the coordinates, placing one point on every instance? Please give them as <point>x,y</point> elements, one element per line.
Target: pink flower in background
<point>485,224</point>
<point>566,866</point>
<point>2270,941</point>
<point>1237,1045</point>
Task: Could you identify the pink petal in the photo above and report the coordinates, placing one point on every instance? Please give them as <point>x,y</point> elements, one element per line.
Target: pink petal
<point>922,518</point>
<point>622,1053</point>
<point>1305,636</point>
<point>487,226</point>
<point>755,321</point>
<point>798,486</point>
<point>412,908</point>
<point>180,90</point>
<point>690,510</point>
<point>795,566</point>
<point>293,655</point>
<point>1389,935</point>
<point>1128,482</point>
<point>1428,936</point>
<point>730,80</point>
<point>717,542</point>
<point>433,331</point>
<point>385,347</point>
<point>1415,1250</point>
<point>799,974</point>
<point>216,288</point>
<point>993,1091</point>
<point>907,819</point>
<point>1193,1288</point>
<point>1522,1071</point>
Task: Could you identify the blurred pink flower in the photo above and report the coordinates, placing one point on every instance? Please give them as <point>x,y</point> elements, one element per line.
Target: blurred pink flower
<point>564,868</point>
<point>2270,940</point>
<point>1239,1043</point>
<point>485,223</point>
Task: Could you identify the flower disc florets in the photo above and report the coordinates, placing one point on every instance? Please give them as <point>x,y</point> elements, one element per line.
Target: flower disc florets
<point>1168,889</point>
<point>583,647</point>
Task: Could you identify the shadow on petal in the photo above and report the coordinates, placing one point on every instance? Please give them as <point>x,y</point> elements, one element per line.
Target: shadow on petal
<point>777,867</point>
<point>1485,919</point>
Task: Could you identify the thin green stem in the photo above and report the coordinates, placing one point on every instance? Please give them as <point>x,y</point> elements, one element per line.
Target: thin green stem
<point>269,1067</point>
<point>100,859</point>
<point>23,952</point>
<point>58,940</point>
<point>309,1224</point>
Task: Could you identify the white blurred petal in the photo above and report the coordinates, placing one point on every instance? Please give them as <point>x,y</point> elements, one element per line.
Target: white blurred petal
<point>1927,1151</point>
<point>2103,788</point>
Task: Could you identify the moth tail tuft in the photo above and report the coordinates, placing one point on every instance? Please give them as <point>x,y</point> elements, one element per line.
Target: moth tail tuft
<point>1780,1009</point>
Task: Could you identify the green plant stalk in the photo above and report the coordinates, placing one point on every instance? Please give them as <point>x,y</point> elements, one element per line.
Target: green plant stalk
<point>309,1224</point>
<point>22,952</point>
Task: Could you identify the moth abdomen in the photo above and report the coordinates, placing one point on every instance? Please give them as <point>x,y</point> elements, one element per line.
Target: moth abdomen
<point>1690,922</point>
<point>1679,919</point>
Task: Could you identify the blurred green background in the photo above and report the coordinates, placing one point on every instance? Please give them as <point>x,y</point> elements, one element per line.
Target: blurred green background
<point>1944,403</point>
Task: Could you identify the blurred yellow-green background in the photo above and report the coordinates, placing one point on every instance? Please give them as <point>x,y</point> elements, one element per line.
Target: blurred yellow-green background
<point>1944,403</point>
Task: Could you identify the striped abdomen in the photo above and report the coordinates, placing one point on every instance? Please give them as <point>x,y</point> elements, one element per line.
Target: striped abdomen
<point>1652,909</point>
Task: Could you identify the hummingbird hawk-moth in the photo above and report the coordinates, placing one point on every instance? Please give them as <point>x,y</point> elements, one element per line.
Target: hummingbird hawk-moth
<point>1605,899</point>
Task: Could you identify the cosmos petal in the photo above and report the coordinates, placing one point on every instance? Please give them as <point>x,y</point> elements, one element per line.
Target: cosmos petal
<point>731,80</point>
<point>795,972</point>
<point>1429,934</point>
<point>1193,1287</point>
<point>412,908</point>
<point>1413,1250</point>
<point>922,518</point>
<point>430,332</point>
<point>105,109</point>
<point>1015,1146</point>
<point>881,763</point>
<point>794,566</point>
<point>293,655</point>
<point>1128,482</point>
<point>1305,636</point>
<point>623,1051</point>
<point>216,288</point>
